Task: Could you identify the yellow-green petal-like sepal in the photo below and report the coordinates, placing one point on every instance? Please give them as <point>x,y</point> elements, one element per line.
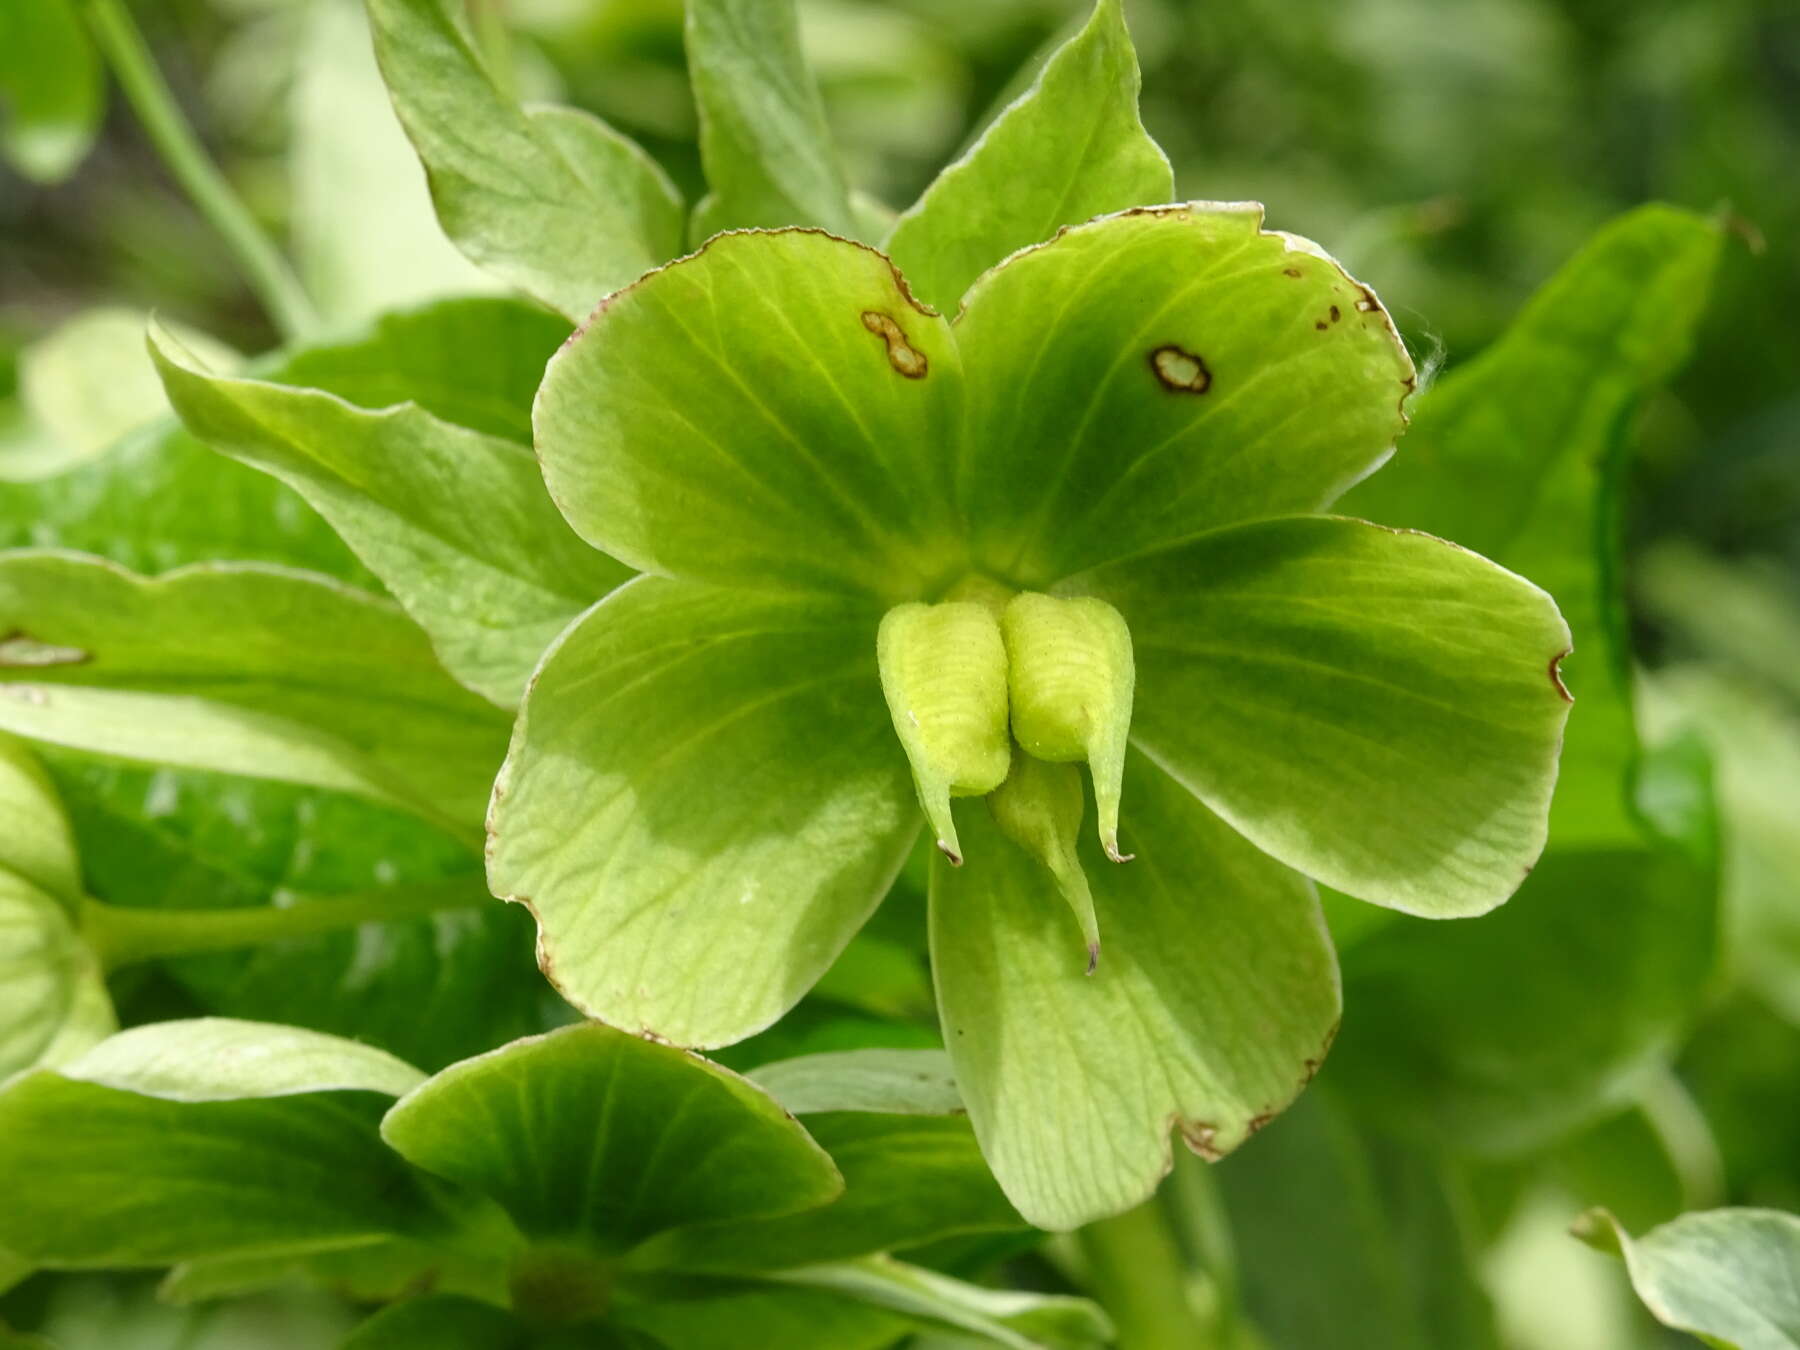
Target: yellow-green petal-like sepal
<point>1070,675</point>
<point>943,669</point>
<point>1038,807</point>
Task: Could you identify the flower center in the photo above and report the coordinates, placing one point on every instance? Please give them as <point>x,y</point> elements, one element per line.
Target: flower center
<point>999,692</point>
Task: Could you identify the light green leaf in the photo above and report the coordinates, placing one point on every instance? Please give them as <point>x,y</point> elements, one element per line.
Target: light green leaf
<point>550,199</point>
<point>455,522</point>
<point>592,1134</point>
<point>51,92</point>
<point>1377,708</point>
<point>53,1003</point>
<point>476,362</point>
<point>763,140</point>
<point>241,669</point>
<point>1373,1224</point>
<point>1520,455</point>
<point>1070,148</point>
<point>1020,1321</point>
<point>365,237</point>
<point>158,499</point>
<point>702,803</point>
<point>1212,1005</point>
<point>1726,1275</point>
<point>278,1148</point>
<point>903,1082</point>
<point>1162,372</point>
<point>893,1123</point>
<point>36,843</point>
<point>89,383</point>
<point>775,410</point>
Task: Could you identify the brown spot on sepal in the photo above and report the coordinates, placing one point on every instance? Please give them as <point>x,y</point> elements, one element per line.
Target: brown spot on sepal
<point>1292,272</point>
<point>1180,371</point>
<point>905,358</point>
<point>1368,304</point>
<point>1200,1137</point>
<point>1336,313</point>
<point>1556,678</point>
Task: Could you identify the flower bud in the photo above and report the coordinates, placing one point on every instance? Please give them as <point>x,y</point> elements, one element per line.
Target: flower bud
<point>943,670</point>
<point>1070,678</point>
<point>1039,808</point>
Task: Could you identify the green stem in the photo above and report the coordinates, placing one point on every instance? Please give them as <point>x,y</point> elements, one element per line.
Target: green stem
<point>1136,1271</point>
<point>148,92</point>
<point>122,935</point>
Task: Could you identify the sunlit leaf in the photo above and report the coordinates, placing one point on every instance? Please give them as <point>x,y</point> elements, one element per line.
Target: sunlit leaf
<point>1157,373</point>
<point>1376,708</point>
<point>1071,147</point>
<point>775,410</point>
<point>1726,1275</point>
<point>455,522</point>
<point>241,669</point>
<point>702,803</point>
<point>1213,1003</point>
<point>550,199</point>
<point>763,139</point>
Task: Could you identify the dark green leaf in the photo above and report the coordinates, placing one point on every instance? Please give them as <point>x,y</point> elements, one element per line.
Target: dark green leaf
<point>588,1133</point>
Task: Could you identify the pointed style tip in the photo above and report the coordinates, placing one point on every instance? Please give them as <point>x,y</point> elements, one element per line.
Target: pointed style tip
<point>1109,844</point>
<point>948,849</point>
<point>1093,951</point>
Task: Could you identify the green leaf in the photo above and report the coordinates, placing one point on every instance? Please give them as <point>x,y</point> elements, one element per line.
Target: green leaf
<point>441,1322</point>
<point>591,1134</point>
<point>901,1082</point>
<point>752,1317</point>
<point>241,669</point>
<point>455,522</point>
<point>1212,1005</point>
<point>158,499</point>
<point>51,92</point>
<point>893,1123</point>
<point>1375,1226</point>
<point>1726,1275</point>
<point>1068,149</point>
<point>1376,708</point>
<point>702,803</point>
<point>1498,1037</point>
<point>1162,372</point>
<point>88,384</point>
<point>774,410</point>
<point>475,362</point>
<point>36,842</point>
<point>53,1003</point>
<point>278,1138</point>
<point>550,199</point>
<point>348,148</point>
<point>763,139</point>
<point>1017,1320</point>
<point>431,990</point>
<point>1520,455</point>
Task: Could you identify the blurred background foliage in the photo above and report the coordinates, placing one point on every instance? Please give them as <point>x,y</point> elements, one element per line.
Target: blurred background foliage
<point>1453,154</point>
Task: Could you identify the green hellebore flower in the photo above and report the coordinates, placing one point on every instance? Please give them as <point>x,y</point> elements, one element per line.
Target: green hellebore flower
<point>705,797</point>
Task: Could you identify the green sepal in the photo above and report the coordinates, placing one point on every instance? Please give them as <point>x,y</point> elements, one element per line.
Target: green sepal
<point>1039,807</point>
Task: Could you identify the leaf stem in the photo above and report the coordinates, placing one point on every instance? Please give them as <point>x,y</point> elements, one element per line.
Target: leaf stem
<point>268,273</point>
<point>123,935</point>
<point>1135,1269</point>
